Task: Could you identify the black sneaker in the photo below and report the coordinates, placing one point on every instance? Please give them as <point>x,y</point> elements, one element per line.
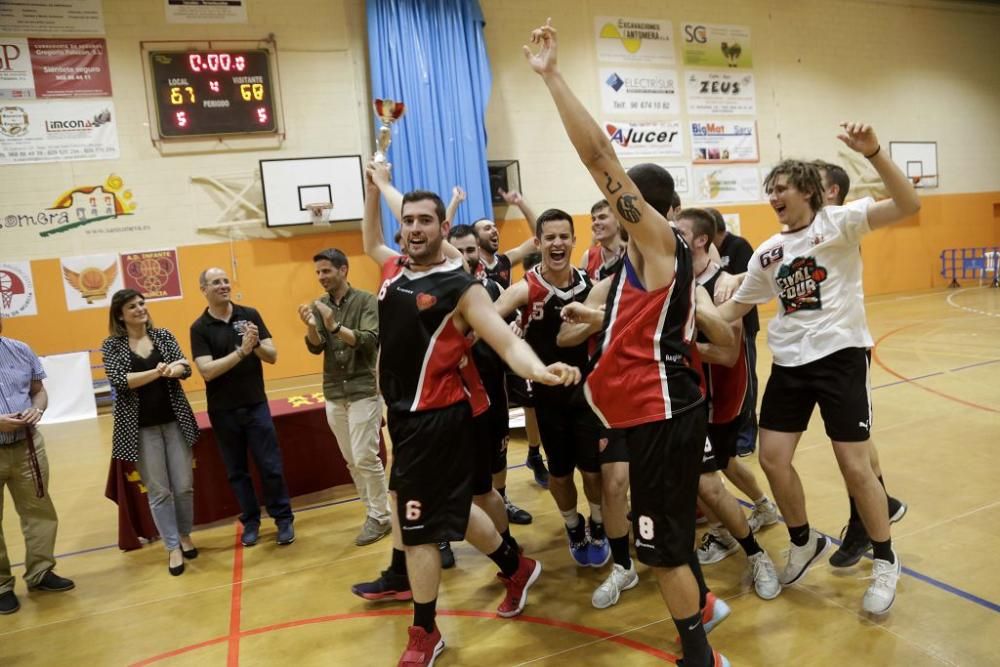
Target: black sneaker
<point>535,463</point>
<point>250,535</point>
<point>53,583</point>
<point>9,603</point>
<point>854,544</point>
<point>897,510</point>
<point>389,586</point>
<point>447,555</point>
<point>515,514</point>
<point>286,534</point>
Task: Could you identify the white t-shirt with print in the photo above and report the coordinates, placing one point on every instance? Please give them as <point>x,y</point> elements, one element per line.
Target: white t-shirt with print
<point>815,273</point>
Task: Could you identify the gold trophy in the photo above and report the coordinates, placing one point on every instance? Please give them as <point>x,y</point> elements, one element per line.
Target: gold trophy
<point>388,111</point>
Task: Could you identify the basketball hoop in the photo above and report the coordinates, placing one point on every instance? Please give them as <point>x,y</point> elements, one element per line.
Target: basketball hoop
<point>319,212</point>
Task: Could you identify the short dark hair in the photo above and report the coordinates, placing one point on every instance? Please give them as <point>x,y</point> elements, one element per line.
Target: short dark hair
<point>332,255</point>
<point>550,214</point>
<point>720,221</point>
<point>702,223</point>
<point>425,195</point>
<point>803,175</point>
<point>458,231</point>
<point>655,184</point>
<point>675,201</point>
<point>836,175</point>
<point>116,327</point>
<point>599,205</point>
<point>531,260</point>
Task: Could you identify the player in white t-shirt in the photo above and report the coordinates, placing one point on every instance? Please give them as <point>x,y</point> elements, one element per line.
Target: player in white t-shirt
<point>820,344</point>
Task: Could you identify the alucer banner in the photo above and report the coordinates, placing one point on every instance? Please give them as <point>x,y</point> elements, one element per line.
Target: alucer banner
<point>708,45</point>
<point>632,40</point>
<point>721,93</point>
<point>633,139</point>
<point>17,290</point>
<point>57,131</point>
<point>714,142</point>
<point>641,92</point>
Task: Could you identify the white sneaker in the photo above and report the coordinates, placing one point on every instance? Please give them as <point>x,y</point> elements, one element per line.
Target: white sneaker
<point>764,576</point>
<point>763,515</point>
<point>619,580</point>
<point>800,558</point>
<point>881,594</point>
<point>716,546</point>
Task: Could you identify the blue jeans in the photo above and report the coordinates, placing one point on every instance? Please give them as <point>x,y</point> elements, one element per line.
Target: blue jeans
<point>250,427</point>
<point>165,466</point>
<point>746,442</point>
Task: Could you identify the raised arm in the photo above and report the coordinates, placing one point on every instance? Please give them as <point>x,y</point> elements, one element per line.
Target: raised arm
<point>646,226</point>
<point>513,198</point>
<point>371,224</point>
<point>457,197</point>
<point>903,201</point>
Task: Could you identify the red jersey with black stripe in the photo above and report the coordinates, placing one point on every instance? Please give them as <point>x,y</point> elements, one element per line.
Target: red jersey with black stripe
<point>642,369</point>
<point>421,349</point>
<point>541,318</point>
<point>498,272</point>
<point>597,269</point>
<point>726,386</point>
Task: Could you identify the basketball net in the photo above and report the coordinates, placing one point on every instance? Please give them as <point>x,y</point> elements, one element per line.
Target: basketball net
<point>319,212</point>
<point>8,298</point>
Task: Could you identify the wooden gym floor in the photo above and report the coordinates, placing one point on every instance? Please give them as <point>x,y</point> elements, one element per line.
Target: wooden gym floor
<point>936,382</point>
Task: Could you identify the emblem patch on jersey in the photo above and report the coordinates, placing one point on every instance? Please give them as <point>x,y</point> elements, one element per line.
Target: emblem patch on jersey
<point>425,301</point>
<point>799,284</point>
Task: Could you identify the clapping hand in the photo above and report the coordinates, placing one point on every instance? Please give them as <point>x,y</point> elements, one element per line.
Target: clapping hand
<point>306,315</point>
<point>325,312</point>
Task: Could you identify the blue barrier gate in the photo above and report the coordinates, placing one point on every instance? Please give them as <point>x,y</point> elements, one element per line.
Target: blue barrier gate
<point>971,263</point>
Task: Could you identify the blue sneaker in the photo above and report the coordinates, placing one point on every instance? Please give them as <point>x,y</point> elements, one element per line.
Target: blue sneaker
<point>598,549</point>
<point>251,534</point>
<point>579,545</point>
<point>535,463</point>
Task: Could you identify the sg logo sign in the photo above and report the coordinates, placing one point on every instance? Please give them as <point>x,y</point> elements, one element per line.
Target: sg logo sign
<point>695,33</point>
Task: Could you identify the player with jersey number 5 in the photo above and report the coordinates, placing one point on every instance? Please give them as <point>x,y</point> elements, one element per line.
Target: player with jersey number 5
<point>820,345</point>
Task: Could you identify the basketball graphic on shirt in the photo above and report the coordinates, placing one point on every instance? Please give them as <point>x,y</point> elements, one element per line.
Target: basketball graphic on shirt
<point>799,284</point>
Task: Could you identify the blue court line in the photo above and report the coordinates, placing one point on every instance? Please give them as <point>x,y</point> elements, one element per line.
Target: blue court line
<point>936,583</point>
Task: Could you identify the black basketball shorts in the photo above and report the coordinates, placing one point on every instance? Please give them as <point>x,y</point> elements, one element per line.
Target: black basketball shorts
<point>611,446</point>
<point>570,434</point>
<point>720,445</point>
<point>490,452</point>
<point>665,464</point>
<point>840,383</point>
<point>432,463</point>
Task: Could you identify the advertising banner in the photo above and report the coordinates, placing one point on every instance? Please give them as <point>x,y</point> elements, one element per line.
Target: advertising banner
<point>52,17</point>
<point>707,45</point>
<point>717,142</point>
<point>631,40</point>
<point>89,281</point>
<point>57,130</point>
<point>720,93</point>
<point>154,273</point>
<point>17,290</point>
<point>632,139</point>
<point>724,185</point>
<point>633,91</point>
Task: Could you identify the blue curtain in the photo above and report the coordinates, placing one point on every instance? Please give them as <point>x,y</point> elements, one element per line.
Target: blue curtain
<point>431,54</point>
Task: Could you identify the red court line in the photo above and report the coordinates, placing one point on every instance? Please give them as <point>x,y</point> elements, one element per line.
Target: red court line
<point>886,368</point>
<point>563,625</point>
<point>236,600</point>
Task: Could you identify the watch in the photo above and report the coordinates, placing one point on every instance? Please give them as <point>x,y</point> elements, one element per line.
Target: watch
<point>337,329</point>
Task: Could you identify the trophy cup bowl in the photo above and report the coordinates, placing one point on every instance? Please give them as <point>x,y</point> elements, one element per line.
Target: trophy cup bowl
<point>388,112</point>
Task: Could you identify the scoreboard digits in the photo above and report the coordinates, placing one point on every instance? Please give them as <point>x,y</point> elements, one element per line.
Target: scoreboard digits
<point>203,93</point>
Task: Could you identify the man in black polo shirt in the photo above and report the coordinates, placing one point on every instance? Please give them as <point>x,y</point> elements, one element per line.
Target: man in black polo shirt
<point>228,343</point>
<point>734,253</point>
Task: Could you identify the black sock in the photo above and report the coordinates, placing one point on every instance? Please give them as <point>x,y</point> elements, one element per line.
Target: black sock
<point>883,550</point>
<point>398,564</point>
<point>506,558</point>
<point>693,640</point>
<point>424,613</point>
<point>503,492</point>
<point>619,551</point>
<point>509,539</point>
<point>702,587</point>
<point>749,544</point>
<point>855,517</point>
<point>799,534</point>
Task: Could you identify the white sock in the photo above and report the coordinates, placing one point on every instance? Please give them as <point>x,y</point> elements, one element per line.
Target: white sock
<point>595,513</point>
<point>763,499</point>
<point>571,517</point>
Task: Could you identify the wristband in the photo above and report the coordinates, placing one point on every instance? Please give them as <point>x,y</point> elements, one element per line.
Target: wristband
<point>337,329</point>
<point>869,157</point>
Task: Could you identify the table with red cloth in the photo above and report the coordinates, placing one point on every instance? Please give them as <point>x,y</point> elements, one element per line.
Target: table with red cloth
<point>312,462</point>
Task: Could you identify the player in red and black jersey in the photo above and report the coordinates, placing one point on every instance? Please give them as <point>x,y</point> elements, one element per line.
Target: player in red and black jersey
<point>724,368</point>
<point>604,258</point>
<point>497,265</point>
<point>569,430</point>
<point>428,303</point>
<point>642,381</point>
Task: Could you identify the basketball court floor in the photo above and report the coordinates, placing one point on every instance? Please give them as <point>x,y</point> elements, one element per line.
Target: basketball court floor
<point>936,390</point>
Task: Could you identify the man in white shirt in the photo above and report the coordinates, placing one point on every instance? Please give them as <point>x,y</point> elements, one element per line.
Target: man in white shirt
<point>820,345</point>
